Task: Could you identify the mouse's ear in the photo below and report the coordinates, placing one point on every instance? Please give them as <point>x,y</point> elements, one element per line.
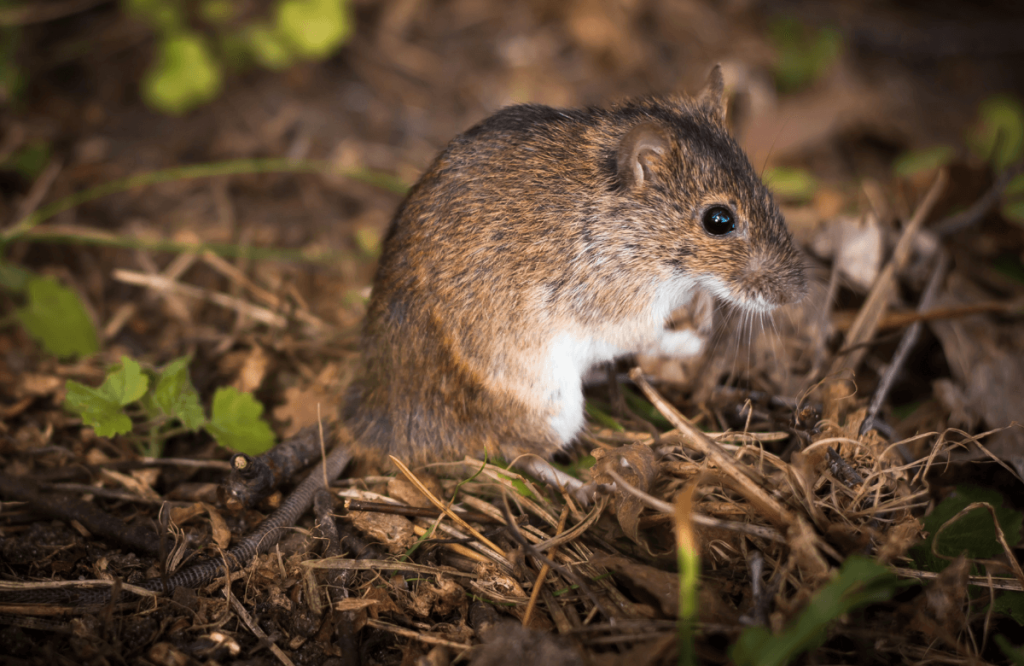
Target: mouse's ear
<point>637,150</point>
<point>712,96</point>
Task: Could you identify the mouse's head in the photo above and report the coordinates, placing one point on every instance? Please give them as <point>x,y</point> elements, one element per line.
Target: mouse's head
<point>714,221</point>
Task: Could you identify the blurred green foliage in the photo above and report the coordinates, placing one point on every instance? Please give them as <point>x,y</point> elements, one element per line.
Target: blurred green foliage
<point>55,317</point>
<point>858,583</point>
<point>1014,653</point>
<point>791,183</point>
<point>200,39</point>
<point>973,535</point>
<point>29,161</point>
<point>998,134</point>
<point>11,80</point>
<point>1013,200</point>
<point>996,138</point>
<point>803,53</point>
<point>914,162</point>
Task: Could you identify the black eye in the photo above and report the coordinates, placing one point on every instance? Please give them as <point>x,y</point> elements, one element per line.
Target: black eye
<point>719,220</point>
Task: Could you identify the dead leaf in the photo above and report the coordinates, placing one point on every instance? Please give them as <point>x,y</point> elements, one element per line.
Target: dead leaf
<point>140,485</point>
<point>221,533</point>
<point>182,514</point>
<point>354,604</point>
<point>663,588</point>
<point>401,489</point>
<point>510,643</point>
<point>857,247</point>
<point>36,385</point>
<point>635,463</point>
<point>441,599</point>
<point>988,378</point>
<point>253,370</point>
<point>301,408</point>
<point>394,532</point>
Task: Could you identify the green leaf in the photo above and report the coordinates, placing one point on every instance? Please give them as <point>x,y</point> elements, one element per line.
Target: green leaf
<point>56,318</point>
<point>14,278</point>
<point>602,417</point>
<point>268,47</point>
<point>162,15</point>
<point>860,582</point>
<point>790,183</point>
<point>176,397</point>
<point>1014,653</point>
<point>973,535</point>
<point>126,384</point>
<point>368,241</point>
<point>30,161</point>
<point>998,135</point>
<point>803,53</point>
<point>236,424</point>
<point>184,76</point>
<point>217,11</point>
<point>314,28</point>
<point>920,161</point>
<point>1013,200</point>
<point>644,408</point>
<point>12,78</point>
<point>1010,604</point>
<point>102,408</point>
<point>104,415</point>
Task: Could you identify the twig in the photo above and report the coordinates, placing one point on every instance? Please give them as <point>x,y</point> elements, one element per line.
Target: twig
<point>441,507</point>
<point>538,584</point>
<point>255,628</point>
<point>423,638</point>
<point>160,283</point>
<point>232,273</point>
<point>38,190</point>
<point>866,324</point>
<point>383,565</point>
<point>513,530</point>
<point>843,320</point>
<point>412,511</point>
<point>776,513</point>
<point>254,478</point>
<point>83,235</point>
<point>209,170</point>
<point>1010,584</point>
<point>910,337</point>
<point>68,507</point>
<point>699,518</point>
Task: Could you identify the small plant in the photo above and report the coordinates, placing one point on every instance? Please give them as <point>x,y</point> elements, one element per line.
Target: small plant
<point>161,400</point>
<point>12,79</point>
<point>996,138</point>
<point>804,54</point>
<point>972,535</point>
<point>199,40</point>
<point>791,184</point>
<point>55,317</point>
<point>860,582</point>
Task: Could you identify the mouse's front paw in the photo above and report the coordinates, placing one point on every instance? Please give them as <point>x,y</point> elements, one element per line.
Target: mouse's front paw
<point>680,344</point>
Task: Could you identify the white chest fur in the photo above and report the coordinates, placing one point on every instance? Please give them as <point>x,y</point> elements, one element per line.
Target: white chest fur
<point>570,355</point>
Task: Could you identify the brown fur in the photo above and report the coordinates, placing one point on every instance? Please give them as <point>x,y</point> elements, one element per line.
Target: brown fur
<point>539,221</point>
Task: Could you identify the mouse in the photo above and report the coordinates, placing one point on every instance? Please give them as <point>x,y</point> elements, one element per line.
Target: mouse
<point>543,242</point>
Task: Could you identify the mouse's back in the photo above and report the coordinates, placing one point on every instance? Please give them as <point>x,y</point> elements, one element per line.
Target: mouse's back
<point>541,242</point>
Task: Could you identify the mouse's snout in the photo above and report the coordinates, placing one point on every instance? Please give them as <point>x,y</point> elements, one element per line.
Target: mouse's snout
<point>772,279</point>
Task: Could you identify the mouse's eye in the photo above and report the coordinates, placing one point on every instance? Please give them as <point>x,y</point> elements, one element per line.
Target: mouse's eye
<point>719,220</point>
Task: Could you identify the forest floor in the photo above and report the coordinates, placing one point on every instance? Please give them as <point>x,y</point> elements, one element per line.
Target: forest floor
<point>849,504</point>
